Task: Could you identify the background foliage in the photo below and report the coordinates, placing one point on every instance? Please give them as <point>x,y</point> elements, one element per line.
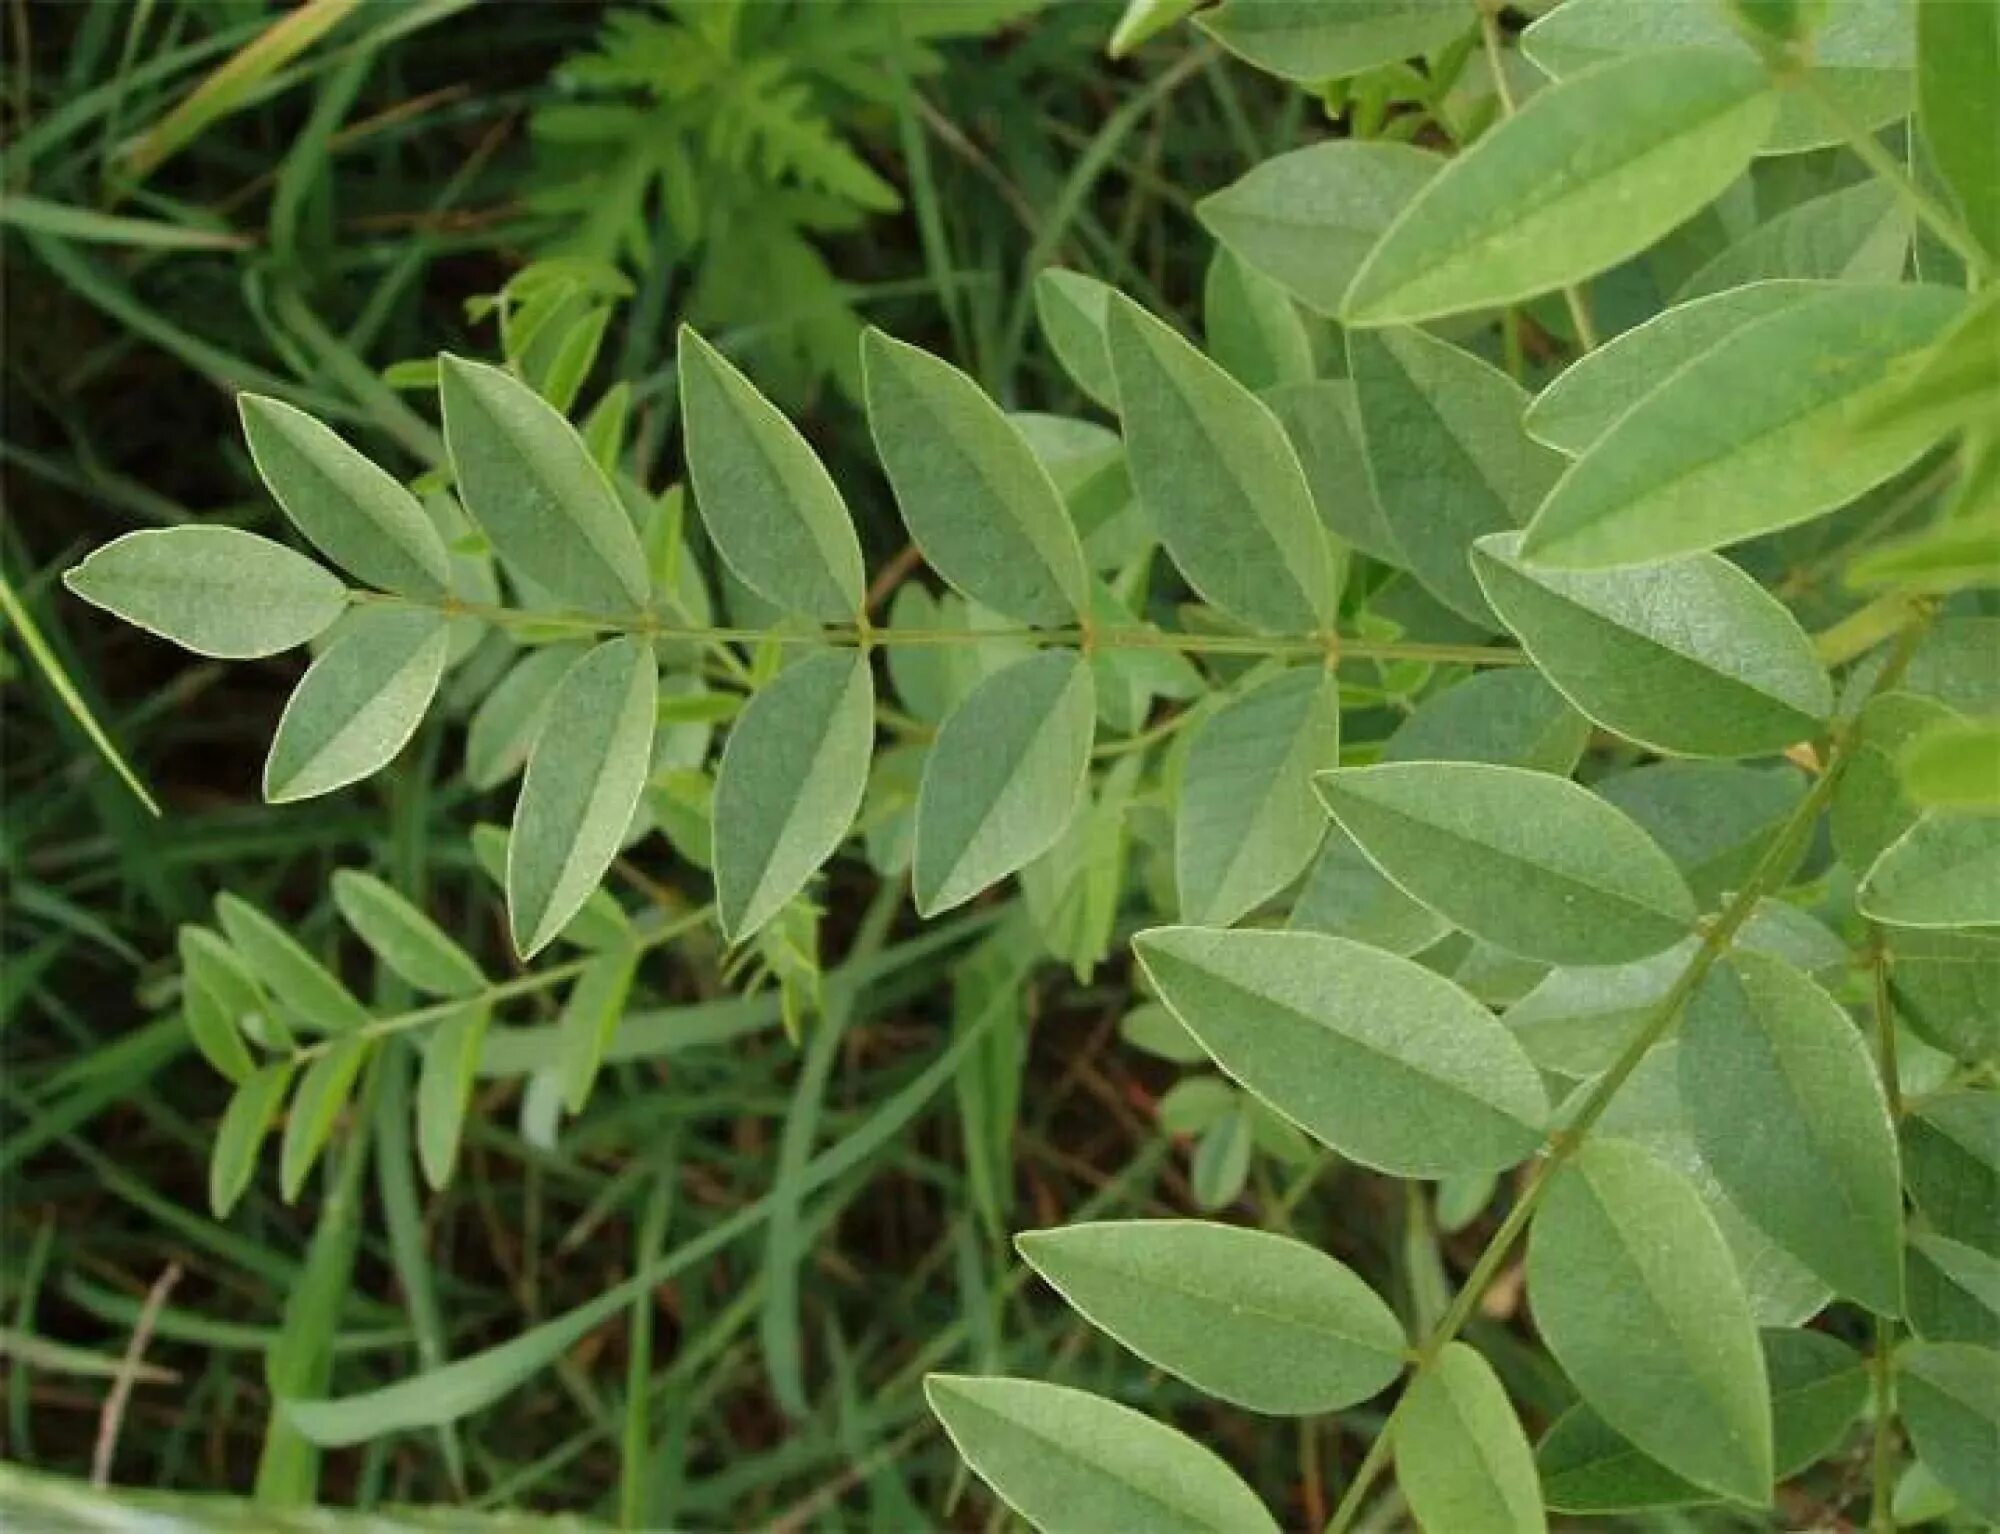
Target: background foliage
<point>627,1205</point>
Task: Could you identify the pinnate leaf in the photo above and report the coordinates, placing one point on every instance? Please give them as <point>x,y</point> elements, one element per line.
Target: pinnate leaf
<point>1003,778</point>
<point>1527,860</point>
<point>528,480</point>
<point>354,512</point>
<point>793,772</point>
<point>358,704</point>
<point>217,591</point>
<point>584,777</point>
<point>977,500</point>
<point>1637,1296</point>
<point>1067,1460</point>
<point>1591,171</point>
<point>1388,1062</point>
<point>1256,1319</point>
<point>772,509</point>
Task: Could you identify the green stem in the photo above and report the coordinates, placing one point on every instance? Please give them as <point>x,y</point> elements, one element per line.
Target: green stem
<point>1340,647</point>
<point>1564,1141</point>
<point>494,995</point>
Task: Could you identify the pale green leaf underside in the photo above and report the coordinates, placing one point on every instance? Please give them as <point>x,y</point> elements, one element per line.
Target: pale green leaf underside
<point>792,775</point>
<point>768,502</point>
<point>1592,170</point>
<point>358,704</point>
<point>1308,218</point>
<point>1760,433</point>
<point>1942,872</point>
<point>528,480</point>
<point>1785,1105</point>
<point>1391,1064</point>
<point>1461,1457</point>
<point>1312,42</point>
<point>217,591</point>
<point>1589,395</point>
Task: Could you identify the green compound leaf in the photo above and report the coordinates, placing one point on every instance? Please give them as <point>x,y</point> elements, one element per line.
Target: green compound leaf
<point>1066,1460</point>
<point>584,778</point>
<point>358,704</point>
<point>1785,1105</point>
<point>793,772</point>
<point>1526,860</point>
<point>1461,1457</point>
<point>527,478</point>
<point>975,497</point>
<point>1860,233</point>
<point>217,591</point>
<point>1247,822</point>
<point>767,501</point>
<point>1591,171</point>
<point>1447,458</point>
<point>1638,1298</point>
<point>1256,1319</point>
<point>1950,1395</point>
<point>1004,777</point>
<point>1689,656</point>
<point>413,946</point>
<point>1760,433</point>
<point>1388,1062</point>
<point>354,513</point>
<point>1589,395</point>
<point>1311,42</point>
<point>1307,219</point>
<point>1213,468</point>
<point>1942,872</point>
